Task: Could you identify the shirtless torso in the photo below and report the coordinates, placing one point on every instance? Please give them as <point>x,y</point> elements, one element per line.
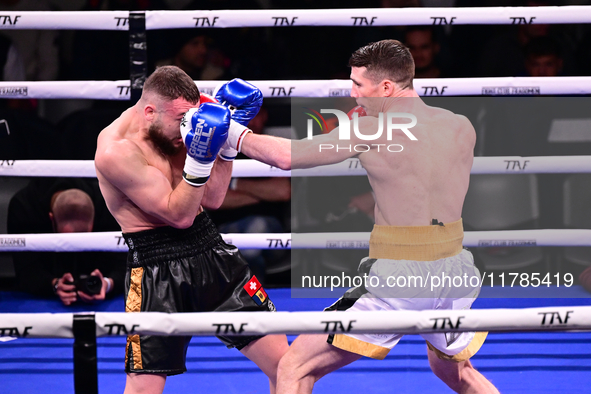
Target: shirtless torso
<point>142,185</point>
<point>427,179</point>
<point>119,136</point>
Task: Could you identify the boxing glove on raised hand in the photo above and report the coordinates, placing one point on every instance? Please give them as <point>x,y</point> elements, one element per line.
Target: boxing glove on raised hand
<point>243,99</point>
<point>204,131</point>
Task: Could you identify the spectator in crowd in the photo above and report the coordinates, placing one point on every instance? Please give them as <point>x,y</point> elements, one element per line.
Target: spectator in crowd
<point>543,57</point>
<point>65,205</point>
<point>256,205</point>
<point>423,46</point>
<point>38,48</point>
<point>504,54</point>
<point>192,52</point>
<point>11,63</point>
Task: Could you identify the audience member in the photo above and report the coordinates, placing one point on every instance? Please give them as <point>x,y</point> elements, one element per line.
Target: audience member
<point>12,67</point>
<point>65,205</point>
<point>256,205</point>
<point>192,52</point>
<point>504,54</point>
<point>543,57</point>
<point>38,48</point>
<point>424,47</point>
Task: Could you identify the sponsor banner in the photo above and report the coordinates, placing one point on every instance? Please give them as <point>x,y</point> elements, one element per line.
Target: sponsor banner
<point>59,325</point>
<point>407,322</point>
<point>113,241</point>
<point>109,241</point>
<point>349,167</point>
<point>51,168</point>
<point>510,238</point>
<point>531,165</point>
<point>65,20</point>
<point>36,325</point>
<point>120,90</point>
<point>119,20</point>
<point>367,17</point>
<point>105,90</point>
<point>505,86</point>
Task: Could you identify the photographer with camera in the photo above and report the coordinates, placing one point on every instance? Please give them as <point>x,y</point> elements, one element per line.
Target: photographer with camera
<point>65,205</point>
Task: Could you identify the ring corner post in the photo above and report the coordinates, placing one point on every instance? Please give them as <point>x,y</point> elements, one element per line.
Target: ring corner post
<point>85,358</point>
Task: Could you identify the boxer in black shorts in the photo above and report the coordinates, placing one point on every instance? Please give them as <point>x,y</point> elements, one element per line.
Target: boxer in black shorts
<point>159,165</point>
<point>190,270</point>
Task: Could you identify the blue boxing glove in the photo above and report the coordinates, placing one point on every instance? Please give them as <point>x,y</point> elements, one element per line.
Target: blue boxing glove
<point>204,131</point>
<point>243,99</point>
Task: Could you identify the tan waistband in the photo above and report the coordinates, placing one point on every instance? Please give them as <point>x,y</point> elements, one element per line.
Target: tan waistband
<point>419,243</point>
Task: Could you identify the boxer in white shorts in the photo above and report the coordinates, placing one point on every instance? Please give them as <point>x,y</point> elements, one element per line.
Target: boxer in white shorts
<point>427,179</point>
<point>404,284</point>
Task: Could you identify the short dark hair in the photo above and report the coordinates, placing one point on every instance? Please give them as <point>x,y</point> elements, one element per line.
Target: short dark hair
<point>170,83</point>
<point>386,59</point>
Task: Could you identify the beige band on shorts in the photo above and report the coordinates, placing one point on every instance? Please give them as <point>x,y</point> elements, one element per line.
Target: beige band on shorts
<point>418,243</point>
<point>465,354</point>
<point>358,346</point>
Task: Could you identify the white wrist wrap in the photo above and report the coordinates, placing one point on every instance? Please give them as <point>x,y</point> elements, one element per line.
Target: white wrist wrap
<point>227,153</point>
<point>196,173</point>
<point>236,135</point>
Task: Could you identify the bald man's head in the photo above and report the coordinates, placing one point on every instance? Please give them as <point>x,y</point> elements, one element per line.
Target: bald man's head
<point>72,211</point>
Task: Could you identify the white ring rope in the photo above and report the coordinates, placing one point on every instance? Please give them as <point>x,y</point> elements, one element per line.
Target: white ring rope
<point>119,20</point>
<point>349,167</point>
<point>48,325</point>
<point>112,241</point>
<point>497,86</point>
<point>369,17</point>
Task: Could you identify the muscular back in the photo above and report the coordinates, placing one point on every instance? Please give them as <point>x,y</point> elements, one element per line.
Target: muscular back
<point>429,178</point>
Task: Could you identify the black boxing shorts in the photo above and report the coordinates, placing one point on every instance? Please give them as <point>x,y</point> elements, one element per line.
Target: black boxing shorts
<point>188,270</point>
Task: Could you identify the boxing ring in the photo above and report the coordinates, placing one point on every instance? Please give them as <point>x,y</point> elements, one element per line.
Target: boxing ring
<point>535,345</point>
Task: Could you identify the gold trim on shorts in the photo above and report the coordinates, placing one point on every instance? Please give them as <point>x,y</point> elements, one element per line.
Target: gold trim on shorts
<point>467,353</point>
<point>418,243</point>
<point>358,346</point>
<point>133,303</point>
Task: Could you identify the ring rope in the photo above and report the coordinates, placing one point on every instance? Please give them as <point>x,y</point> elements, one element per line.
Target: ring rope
<point>59,325</point>
<point>119,20</point>
<point>112,241</point>
<point>349,167</point>
<point>426,87</point>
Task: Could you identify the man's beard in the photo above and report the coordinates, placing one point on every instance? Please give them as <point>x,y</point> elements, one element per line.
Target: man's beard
<point>166,146</point>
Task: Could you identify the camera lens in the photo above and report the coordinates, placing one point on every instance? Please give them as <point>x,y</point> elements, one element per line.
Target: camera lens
<point>90,284</point>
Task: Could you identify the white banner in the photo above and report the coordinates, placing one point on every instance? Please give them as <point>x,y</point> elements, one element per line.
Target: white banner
<point>368,17</point>
<point>349,167</point>
<point>119,20</point>
<point>508,238</point>
<point>293,323</point>
<point>43,325</point>
<point>434,87</point>
<point>103,90</point>
<point>113,241</point>
<point>120,90</point>
<point>64,20</point>
<point>36,325</point>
